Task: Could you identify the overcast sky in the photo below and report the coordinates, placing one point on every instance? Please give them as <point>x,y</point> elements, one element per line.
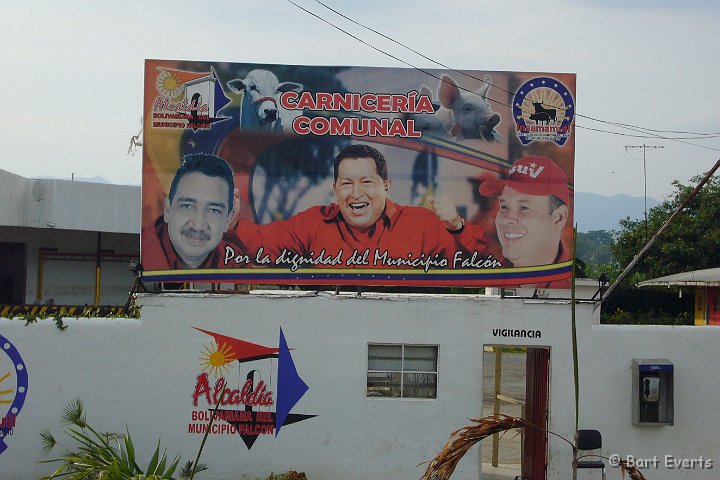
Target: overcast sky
<point>72,71</point>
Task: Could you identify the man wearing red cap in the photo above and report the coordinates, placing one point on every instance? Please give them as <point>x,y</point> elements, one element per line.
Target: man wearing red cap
<point>534,207</point>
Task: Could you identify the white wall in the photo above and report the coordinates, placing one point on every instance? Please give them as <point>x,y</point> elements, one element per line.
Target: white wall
<point>606,386</point>
<point>14,197</point>
<point>143,372</point>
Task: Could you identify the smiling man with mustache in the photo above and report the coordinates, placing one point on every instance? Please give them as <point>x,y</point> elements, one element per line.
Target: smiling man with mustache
<point>196,215</point>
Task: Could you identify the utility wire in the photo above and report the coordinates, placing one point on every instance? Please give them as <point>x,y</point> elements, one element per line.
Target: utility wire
<point>649,133</point>
<point>664,226</point>
<point>618,124</point>
<point>699,134</point>
<point>655,137</point>
<point>427,72</point>
<point>411,49</point>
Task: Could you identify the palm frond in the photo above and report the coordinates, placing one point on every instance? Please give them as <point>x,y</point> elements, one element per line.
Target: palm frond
<point>187,470</point>
<point>47,440</point>
<point>173,466</point>
<point>150,470</point>
<point>631,470</point>
<point>74,414</point>
<point>102,456</point>
<point>128,451</point>
<point>443,465</point>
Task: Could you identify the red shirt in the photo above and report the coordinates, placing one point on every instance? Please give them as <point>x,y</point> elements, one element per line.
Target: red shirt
<point>401,233</point>
<point>564,255</point>
<point>473,238</point>
<point>158,252</point>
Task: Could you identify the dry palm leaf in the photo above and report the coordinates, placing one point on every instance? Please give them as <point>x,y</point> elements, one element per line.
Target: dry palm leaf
<point>443,465</point>
<point>632,471</point>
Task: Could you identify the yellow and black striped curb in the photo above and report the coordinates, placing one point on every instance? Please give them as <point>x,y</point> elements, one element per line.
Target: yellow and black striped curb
<point>10,311</point>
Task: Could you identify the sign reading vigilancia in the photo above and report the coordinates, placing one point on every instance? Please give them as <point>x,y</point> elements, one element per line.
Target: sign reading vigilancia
<point>287,174</point>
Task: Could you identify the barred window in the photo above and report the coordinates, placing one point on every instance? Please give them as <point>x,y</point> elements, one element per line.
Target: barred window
<point>402,371</point>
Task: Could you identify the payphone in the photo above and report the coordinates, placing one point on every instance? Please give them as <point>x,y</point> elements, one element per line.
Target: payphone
<point>652,392</point>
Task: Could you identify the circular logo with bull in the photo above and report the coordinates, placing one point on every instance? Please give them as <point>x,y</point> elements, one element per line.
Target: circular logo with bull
<point>543,109</point>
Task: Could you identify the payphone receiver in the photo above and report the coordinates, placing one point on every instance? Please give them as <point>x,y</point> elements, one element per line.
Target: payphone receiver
<point>651,389</point>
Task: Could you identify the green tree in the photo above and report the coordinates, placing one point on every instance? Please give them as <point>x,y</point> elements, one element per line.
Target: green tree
<point>593,247</point>
<point>689,243</point>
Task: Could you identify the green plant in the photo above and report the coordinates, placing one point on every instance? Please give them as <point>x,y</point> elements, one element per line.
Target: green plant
<point>29,318</point>
<point>107,456</point>
<point>652,317</point>
<point>187,470</point>
<point>59,322</point>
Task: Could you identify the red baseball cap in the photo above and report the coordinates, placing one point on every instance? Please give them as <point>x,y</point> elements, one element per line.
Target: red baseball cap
<point>532,176</point>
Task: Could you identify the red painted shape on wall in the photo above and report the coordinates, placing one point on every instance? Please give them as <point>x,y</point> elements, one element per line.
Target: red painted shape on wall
<point>241,350</point>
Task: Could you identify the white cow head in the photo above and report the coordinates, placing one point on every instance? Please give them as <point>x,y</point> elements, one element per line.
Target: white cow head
<point>260,89</point>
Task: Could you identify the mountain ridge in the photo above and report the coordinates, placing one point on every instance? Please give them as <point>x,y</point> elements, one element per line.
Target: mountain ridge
<point>594,211</point>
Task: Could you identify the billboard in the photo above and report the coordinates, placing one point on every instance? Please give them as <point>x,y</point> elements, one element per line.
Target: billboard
<point>291,174</point>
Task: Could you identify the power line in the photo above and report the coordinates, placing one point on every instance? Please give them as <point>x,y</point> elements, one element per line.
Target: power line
<point>483,80</point>
<point>650,243</point>
<point>650,133</point>
<point>644,147</point>
<point>655,137</point>
<point>659,137</point>
<point>699,135</point>
<point>409,48</point>
<point>679,132</point>
<point>426,72</point>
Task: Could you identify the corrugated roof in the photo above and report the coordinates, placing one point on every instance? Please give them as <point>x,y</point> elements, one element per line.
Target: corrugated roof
<point>709,277</point>
<point>65,204</point>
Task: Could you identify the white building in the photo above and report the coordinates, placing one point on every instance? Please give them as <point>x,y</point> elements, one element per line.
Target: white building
<point>388,376</point>
<point>144,372</point>
<point>51,232</point>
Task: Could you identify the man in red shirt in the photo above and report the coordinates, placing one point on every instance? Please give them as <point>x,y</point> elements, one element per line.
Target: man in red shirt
<point>534,204</point>
<point>196,215</point>
<point>364,229</point>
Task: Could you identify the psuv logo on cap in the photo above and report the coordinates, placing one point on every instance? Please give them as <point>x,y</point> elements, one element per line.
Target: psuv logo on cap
<point>13,388</point>
<point>543,109</point>
<point>533,170</point>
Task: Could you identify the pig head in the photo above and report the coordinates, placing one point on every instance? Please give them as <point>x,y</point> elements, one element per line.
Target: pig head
<point>437,123</point>
<point>471,112</point>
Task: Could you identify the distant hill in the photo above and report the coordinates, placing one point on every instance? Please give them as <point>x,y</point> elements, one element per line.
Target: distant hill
<point>600,212</point>
<point>592,211</point>
<point>94,179</point>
